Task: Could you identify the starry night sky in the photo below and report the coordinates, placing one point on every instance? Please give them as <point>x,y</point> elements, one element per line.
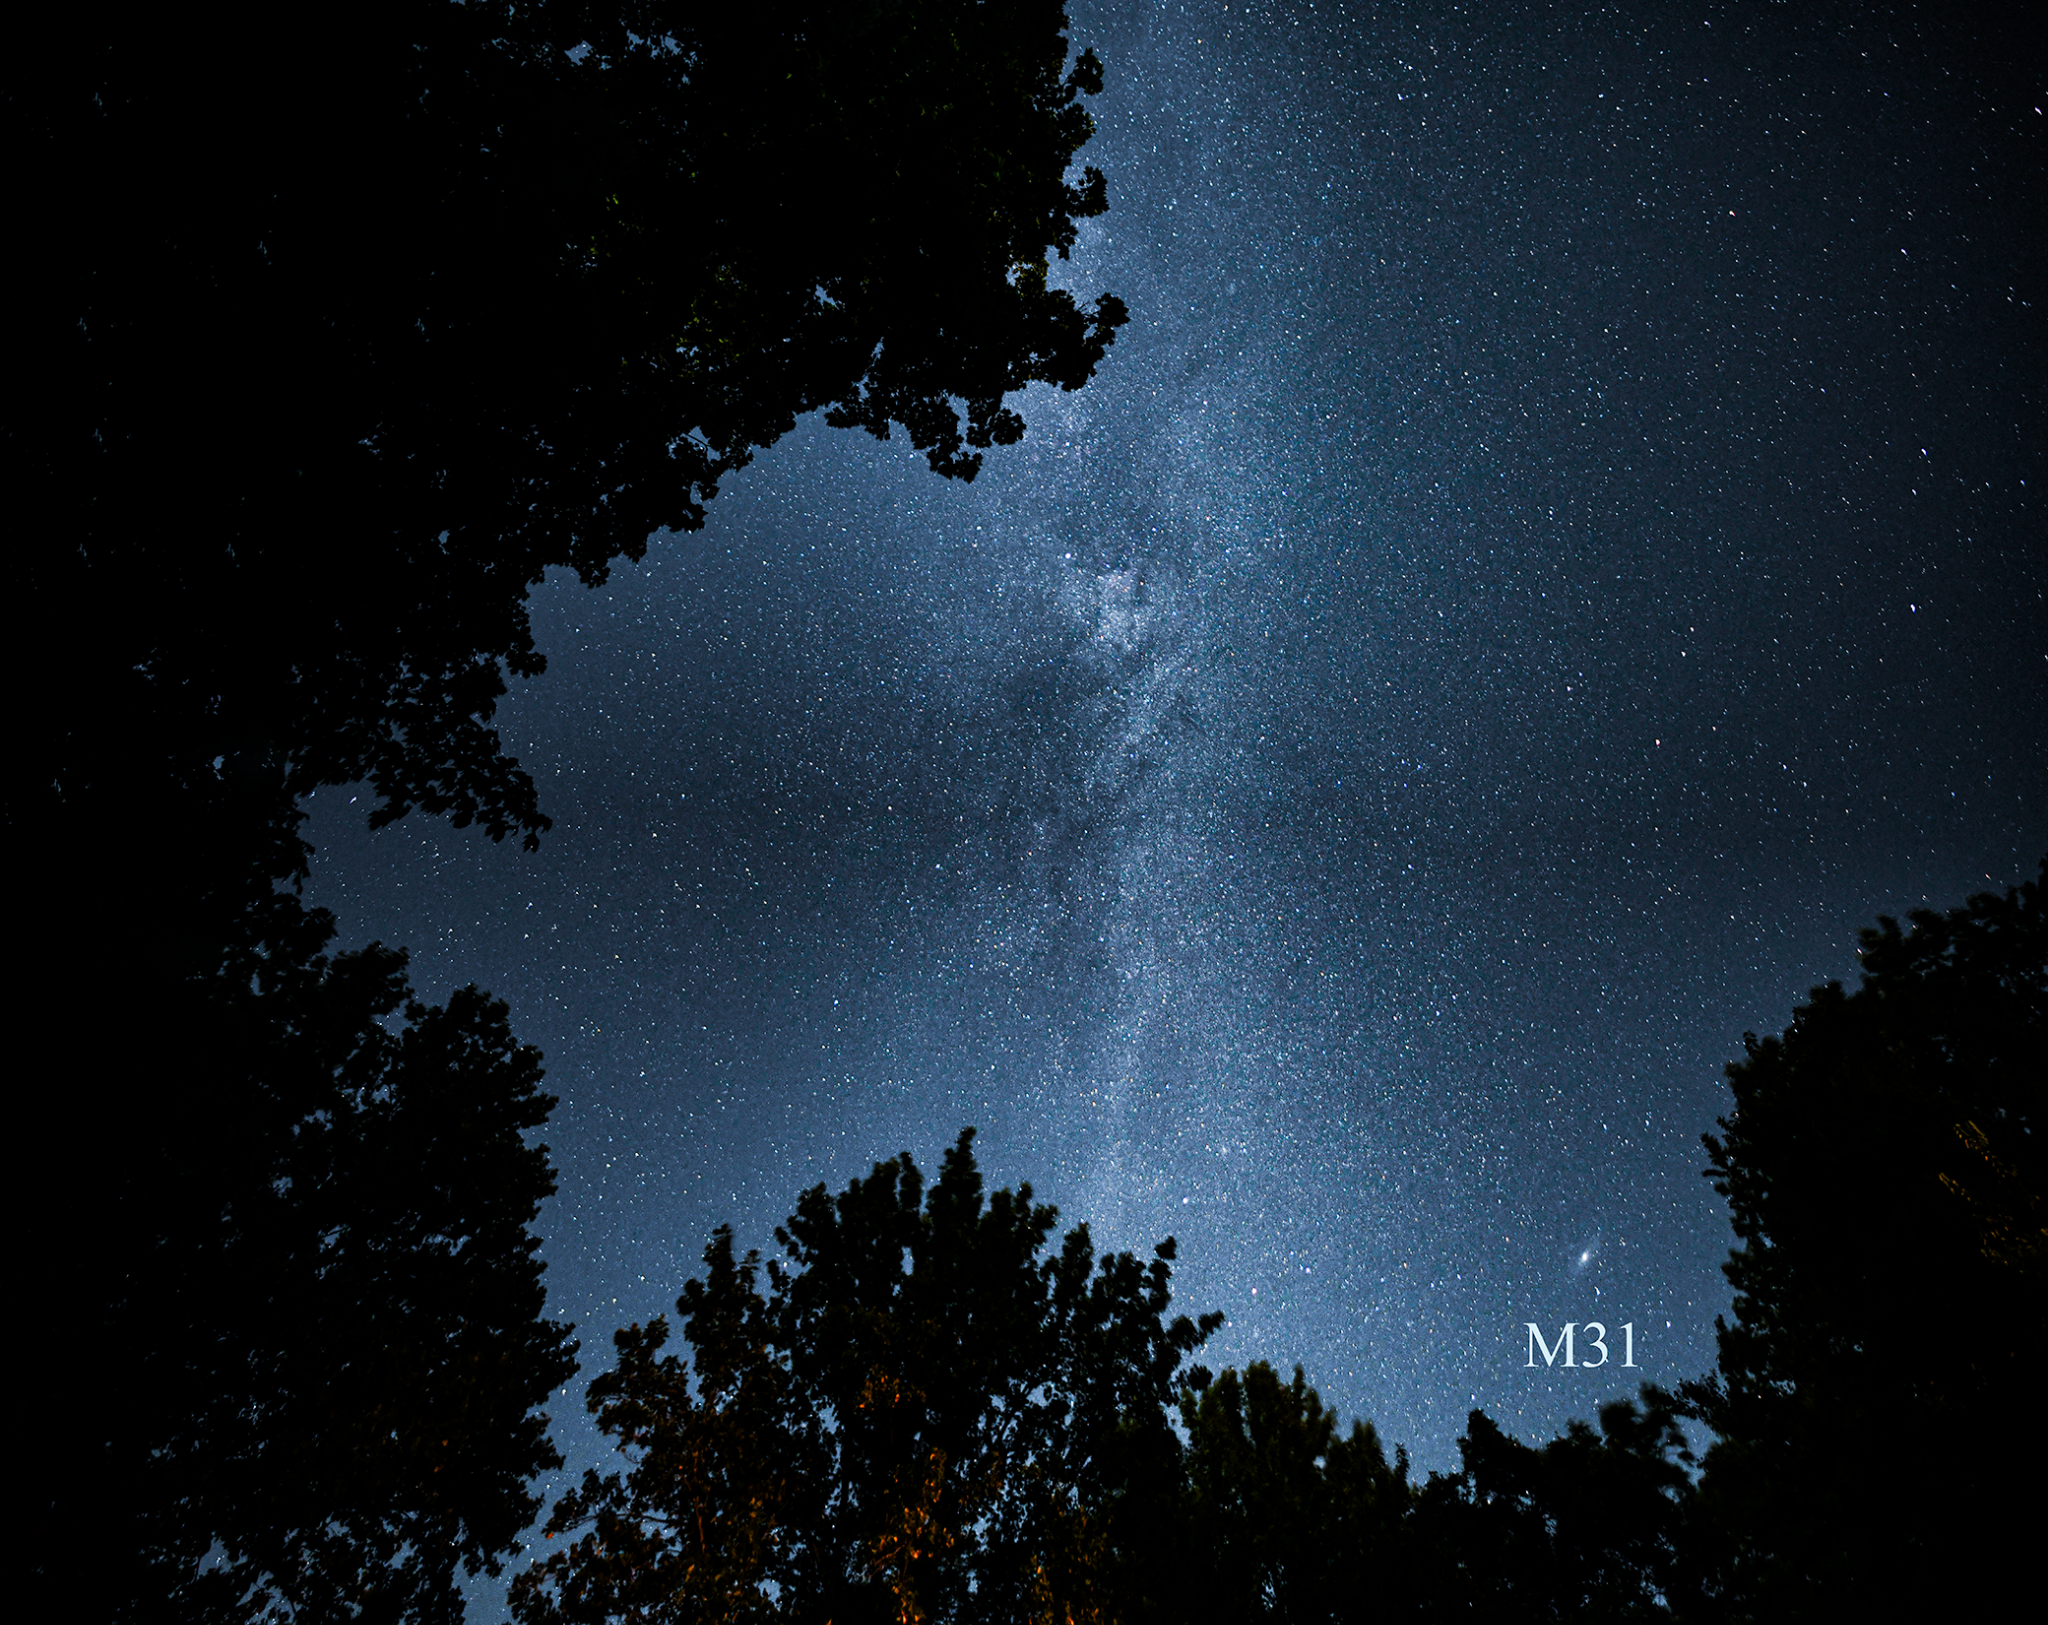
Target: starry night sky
<point>1558,547</point>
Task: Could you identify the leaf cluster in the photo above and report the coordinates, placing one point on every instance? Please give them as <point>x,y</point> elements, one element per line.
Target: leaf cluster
<point>922,1410</point>
<point>1280,1517</point>
<point>1886,1177</point>
<point>1591,1525</point>
<point>343,330</point>
<point>917,1412</point>
<point>346,334</point>
<point>318,1349</point>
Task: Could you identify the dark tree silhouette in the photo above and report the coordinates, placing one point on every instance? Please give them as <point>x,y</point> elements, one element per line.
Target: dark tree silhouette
<point>1593,1526</point>
<point>1885,1171</point>
<point>919,1413</point>
<point>1283,1518</point>
<point>310,1380</point>
<point>729,1471</point>
<point>344,329</point>
<point>924,1416</point>
<point>346,333</point>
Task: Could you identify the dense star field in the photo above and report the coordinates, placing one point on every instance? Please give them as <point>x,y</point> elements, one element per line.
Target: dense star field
<point>1557,548</point>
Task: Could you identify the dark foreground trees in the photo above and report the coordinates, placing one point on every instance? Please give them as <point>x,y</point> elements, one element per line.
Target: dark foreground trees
<point>1276,1514</point>
<point>344,332</point>
<point>915,1415</point>
<point>306,1380</point>
<point>1885,1171</point>
<point>338,331</point>
<point>1279,1517</point>
<point>1593,1525</point>
<point>920,1413</point>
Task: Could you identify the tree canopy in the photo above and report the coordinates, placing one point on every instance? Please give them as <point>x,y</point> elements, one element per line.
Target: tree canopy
<point>1886,1177</point>
<point>921,1411</point>
<point>347,331</point>
<point>918,1412</point>
<point>343,330</point>
<point>914,1421</point>
<point>307,1381</point>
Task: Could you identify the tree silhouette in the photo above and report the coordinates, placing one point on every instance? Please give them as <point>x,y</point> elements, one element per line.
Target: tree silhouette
<point>920,1412</point>
<point>1884,1169</point>
<point>309,1380</point>
<point>1590,1525</point>
<point>924,1416</point>
<point>727,1470</point>
<point>1284,1518</point>
<point>346,330</point>
<point>346,334</point>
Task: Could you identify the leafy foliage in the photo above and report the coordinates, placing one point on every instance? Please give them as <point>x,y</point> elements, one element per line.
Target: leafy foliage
<point>346,329</point>
<point>723,1471</point>
<point>1589,1526</point>
<point>920,1412</point>
<point>318,1351</point>
<point>924,1416</point>
<point>346,334</point>
<point>1885,1172</point>
<point>1283,1517</point>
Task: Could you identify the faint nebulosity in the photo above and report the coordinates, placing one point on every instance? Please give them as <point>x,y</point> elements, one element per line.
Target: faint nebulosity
<point>1557,548</point>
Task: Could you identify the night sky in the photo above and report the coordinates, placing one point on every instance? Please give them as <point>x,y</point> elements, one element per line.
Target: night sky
<point>1558,547</point>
